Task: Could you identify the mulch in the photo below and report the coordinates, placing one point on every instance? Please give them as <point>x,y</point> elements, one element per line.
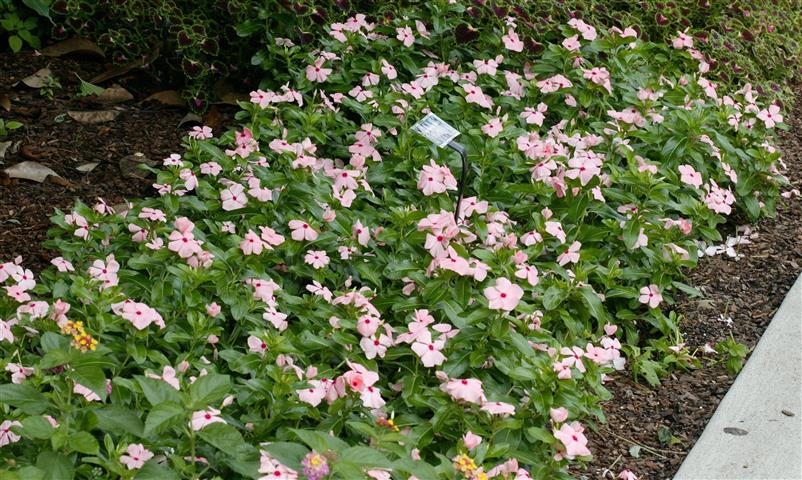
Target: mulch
<point>49,136</point>
<point>749,290</point>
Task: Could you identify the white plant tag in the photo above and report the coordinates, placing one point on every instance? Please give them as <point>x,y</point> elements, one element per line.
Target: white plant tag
<point>436,130</point>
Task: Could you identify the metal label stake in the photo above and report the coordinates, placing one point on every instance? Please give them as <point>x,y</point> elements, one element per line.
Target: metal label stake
<point>437,131</point>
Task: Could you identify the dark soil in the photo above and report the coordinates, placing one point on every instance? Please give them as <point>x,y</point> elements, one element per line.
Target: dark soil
<point>750,291</point>
<point>55,140</point>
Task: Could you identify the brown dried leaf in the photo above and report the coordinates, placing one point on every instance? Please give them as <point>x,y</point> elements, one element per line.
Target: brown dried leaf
<point>87,167</point>
<point>118,70</point>
<point>166,97</point>
<point>38,79</point>
<point>73,45</point>
<point>129,166</point>
<point>30,171</point>
<point>4,147</point>
<point>190,118</point>
<point>114,94</point>
<point>5,102</point>
<point>98,116</point>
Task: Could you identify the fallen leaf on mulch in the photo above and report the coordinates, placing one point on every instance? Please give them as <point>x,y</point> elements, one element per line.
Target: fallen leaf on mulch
<point>166,97</point>
<point>5,102</point>
<point>129,166</point>
<point>99,116</point>
<point>31,153</point>
<point>38,79</point>
<point>87,167</point>
<point>116,71</point>
<point>190,118</point>
<point>114,94</point>
<point>73,45</point>
<point>212,118</point>
<point>4,147</point>
<point>30,171</point>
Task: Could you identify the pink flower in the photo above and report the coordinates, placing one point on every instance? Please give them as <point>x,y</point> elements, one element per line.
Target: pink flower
<point>627,475</point>
<point>572,43</point>
<point>62,265</point>
<point>201,133</point>
<point>361,233</point>
<point>359,377</point>
<point>316,72</point>
<point>6,435</point>
<point>252,244</point>
<point>574,358</point>
<point>571,255</point>
<point>317,258</point>
<point>512,41</point>
<point>532,116</point>
<point>504,295</point>
<point>371,397</point>
<point>374,347</point>
<point>137,456</point>
<point>587,31</point>
<point>233,197</point>
<point>213,309</point>
<point>18,372</point>
<point>436,179</point>
<point>498,408</point>
<point>5,330</point>
<point>275,470</point>
<point>256,345</point>
<point>529,273</point>
<point>650,296</point>
<point>558,415</point>
<point>474,94</point>
<point>388,70</point>
<point>689,176</point>
<point>203,418</point>
<point>211,168</point>
<point>466,389</point>
<point>493,127</point>
<point>573,439</point>
<point>718,199</point>
<point>313,395</point>
<point>770,116</point>
<point>140,315</point>
<point>167,376</point>
<point>556,229</point>
<point>405,36</point>
<point>471,440</point>
<point>302,231</point>
<point>428,351</point>
<point>88,394</point>
<point>584,166</point>
<point>682,41</point>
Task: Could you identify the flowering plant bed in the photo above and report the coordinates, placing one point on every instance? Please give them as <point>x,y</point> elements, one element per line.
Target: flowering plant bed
<point>302,300</point>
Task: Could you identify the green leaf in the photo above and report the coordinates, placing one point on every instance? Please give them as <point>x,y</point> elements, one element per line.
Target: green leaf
<point>289,454</point>
<point>222,436</point>
<point>553,297</point>
<point>15,43</point>
<point>157,391</point>
<point>320,441</point>
<point>119,420</point>
<point>37,427</point>
<point>55,466</point>
<point>54,358</point>
<point>92,378</point>
<point>39,6</point>
<point>84,442</point>
<point>594,304</point>
<point>153,471</point>
<point>209,389</point>
<point>24,397</point>
<point>631,234</point>
<point>88,88</point>
<point>352,461</point>
<point>162,416</point>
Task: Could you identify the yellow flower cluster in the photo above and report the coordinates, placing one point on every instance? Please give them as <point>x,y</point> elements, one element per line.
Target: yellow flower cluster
<point>80,339</point>
<point>388,423</point>
<point>467,466</point>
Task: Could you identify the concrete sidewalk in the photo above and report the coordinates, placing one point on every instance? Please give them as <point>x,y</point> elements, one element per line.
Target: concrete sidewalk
<point>756,432</point>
